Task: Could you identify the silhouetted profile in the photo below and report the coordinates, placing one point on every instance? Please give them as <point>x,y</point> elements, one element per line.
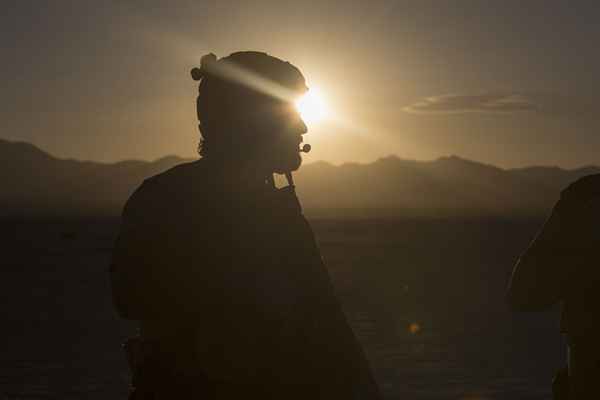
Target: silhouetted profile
<point>562,265</point>
<point>221,268</point>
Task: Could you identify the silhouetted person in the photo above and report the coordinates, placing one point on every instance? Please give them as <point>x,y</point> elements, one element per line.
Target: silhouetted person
<point>562,264</point>
<point>221,268</point>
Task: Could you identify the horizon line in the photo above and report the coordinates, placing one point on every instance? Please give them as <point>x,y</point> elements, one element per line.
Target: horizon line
<point>345,163</point>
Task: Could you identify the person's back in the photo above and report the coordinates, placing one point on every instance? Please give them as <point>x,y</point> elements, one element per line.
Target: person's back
<point>223,272</point>
<point>562,265</point>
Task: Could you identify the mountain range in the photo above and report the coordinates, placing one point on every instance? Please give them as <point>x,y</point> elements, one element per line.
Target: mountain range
<point>37,184</point>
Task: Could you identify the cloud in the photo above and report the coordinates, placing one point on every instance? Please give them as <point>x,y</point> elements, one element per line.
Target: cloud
<point>516,102</point>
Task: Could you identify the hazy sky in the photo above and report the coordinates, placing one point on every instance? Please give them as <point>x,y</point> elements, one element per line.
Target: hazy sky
<point>511,83</point>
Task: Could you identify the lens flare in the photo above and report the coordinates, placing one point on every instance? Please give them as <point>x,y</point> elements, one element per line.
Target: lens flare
<point>312,106</point>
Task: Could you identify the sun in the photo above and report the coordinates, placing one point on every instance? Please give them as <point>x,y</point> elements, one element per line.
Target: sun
<point>312,106</point>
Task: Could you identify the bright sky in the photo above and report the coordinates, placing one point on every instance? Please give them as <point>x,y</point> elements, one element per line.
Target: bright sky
<point>511,83</point>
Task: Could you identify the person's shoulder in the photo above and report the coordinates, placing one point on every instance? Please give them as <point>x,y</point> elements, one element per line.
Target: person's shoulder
<point>176,174</point>
<point>583,188</point>
<point>164,184</point>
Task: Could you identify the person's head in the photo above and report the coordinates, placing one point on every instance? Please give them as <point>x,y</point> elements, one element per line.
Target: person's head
<point>246,110</point>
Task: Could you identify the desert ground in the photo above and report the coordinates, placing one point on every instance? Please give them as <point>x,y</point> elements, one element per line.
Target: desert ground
<point>424,296</point>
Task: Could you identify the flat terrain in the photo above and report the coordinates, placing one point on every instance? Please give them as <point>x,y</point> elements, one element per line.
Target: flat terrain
<point>425,297</point>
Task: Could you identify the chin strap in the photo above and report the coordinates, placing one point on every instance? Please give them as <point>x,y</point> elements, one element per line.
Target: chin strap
<point>290,179</point>
<point>288,175</point>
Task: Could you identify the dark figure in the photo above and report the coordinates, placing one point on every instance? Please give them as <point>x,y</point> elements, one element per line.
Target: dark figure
<point>221,268</point>
<point>562,265</point>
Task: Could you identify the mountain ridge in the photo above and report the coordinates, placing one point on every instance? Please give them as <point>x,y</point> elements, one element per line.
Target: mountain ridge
<point>388,186</point>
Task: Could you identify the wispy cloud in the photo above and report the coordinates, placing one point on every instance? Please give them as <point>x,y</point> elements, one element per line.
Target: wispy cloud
<point>516,102</point>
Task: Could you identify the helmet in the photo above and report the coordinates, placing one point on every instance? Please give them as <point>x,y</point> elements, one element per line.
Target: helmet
<point>243,84</point>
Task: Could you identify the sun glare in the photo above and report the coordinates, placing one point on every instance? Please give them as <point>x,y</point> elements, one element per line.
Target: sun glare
<point>312,106</point>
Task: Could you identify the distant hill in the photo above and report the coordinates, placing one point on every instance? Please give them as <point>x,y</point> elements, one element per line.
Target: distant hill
<point>35,183</point>
<point>448,186</point>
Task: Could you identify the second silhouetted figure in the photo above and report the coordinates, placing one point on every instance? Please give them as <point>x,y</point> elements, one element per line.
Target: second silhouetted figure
<point>562,265</point>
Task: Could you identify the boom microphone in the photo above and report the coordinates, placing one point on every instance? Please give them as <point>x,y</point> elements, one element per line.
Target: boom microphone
<point>305,149</point>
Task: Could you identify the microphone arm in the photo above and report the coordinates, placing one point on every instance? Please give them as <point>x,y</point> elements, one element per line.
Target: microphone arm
<point>288,175</point>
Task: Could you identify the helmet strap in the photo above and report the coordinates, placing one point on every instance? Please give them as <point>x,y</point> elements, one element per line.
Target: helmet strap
<point>290,179</point>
